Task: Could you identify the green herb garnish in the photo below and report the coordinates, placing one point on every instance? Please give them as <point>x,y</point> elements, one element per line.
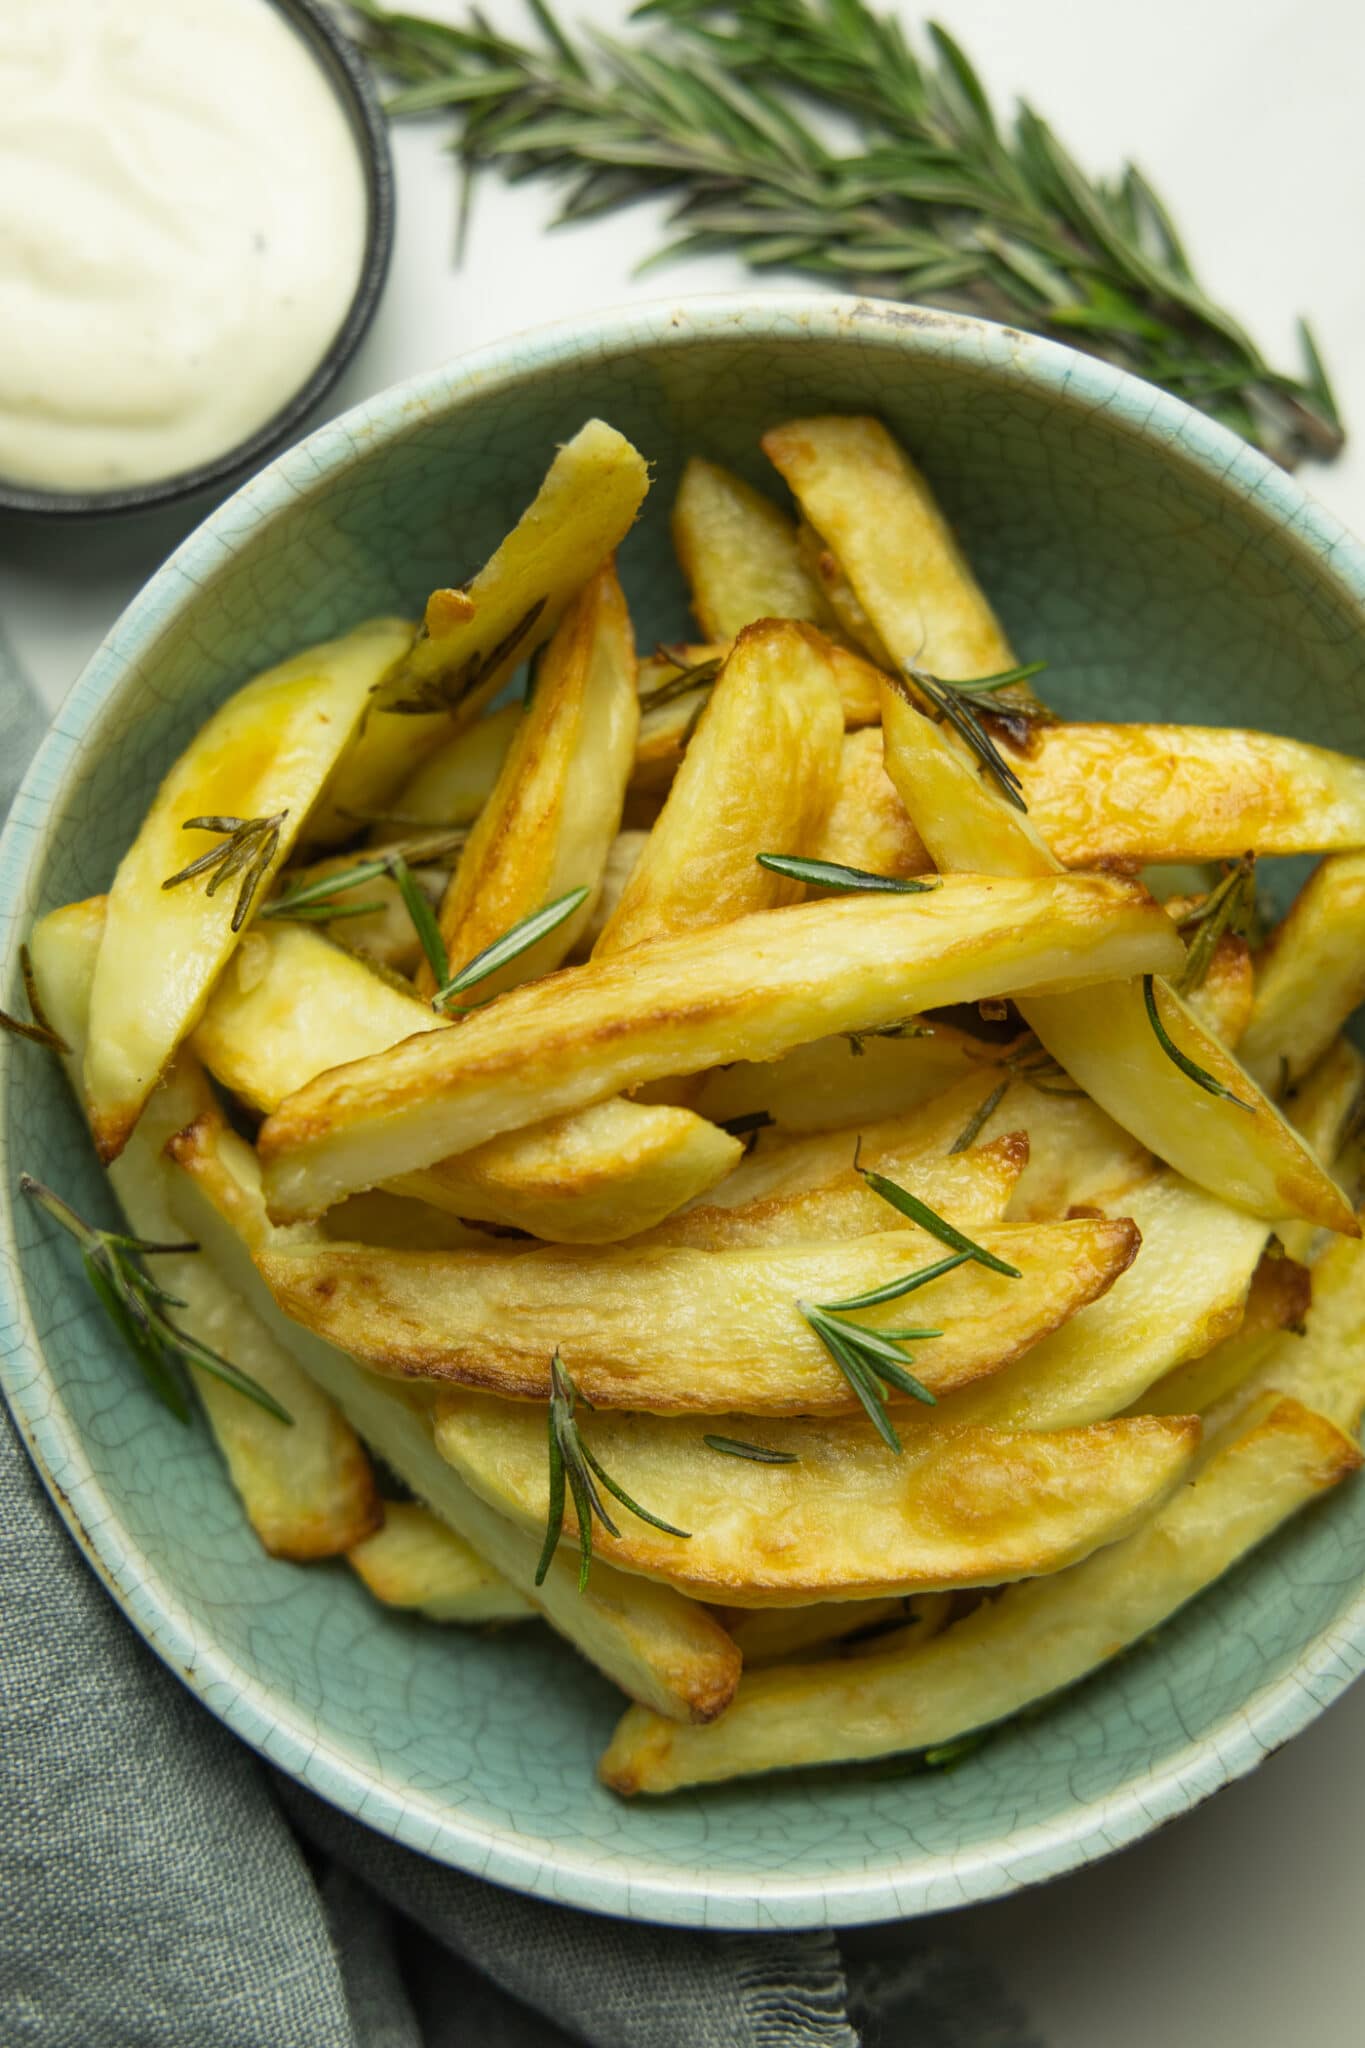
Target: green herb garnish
<point>137,1307</point>
<point>832,874</point>
<point>928,1219</point>
<point>517,939</point>
<point>697,675</point>
<point>934,198</point>
<point>447,690</point>
<point>977,1121</point>
<point>315,902</point>
<point>757,1454</point>
<point>39,1032</point>
<point>950,706</point>
<point>572,1461</point>
<point>1229,907</point>
<point>870,1362</point>
<point>1201,1076</point>
<point>247,849</point>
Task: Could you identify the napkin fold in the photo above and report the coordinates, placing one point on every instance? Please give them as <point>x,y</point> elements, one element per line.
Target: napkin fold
<point>164,1888</point>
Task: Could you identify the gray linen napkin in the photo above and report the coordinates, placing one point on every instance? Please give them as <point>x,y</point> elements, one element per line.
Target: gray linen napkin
<point>163,1888</point>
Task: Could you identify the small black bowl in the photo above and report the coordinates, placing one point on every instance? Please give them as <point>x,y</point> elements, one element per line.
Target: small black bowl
<point>346,71</point>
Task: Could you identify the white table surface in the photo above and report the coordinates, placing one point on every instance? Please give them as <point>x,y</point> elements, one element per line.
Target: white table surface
<point>1241,1924</point>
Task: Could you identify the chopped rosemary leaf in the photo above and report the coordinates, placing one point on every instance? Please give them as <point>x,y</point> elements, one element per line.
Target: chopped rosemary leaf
<point>40,1031</point>
<point>1229,907</point>
<point>137,1306</point>
<point>949,705</point>
<point>315,902</point>
<point>909,1283</point>
<point>977,1121</point>
<point>757,1454</point>
<point>572,1464</point>
<point>985,685</point>
<point>248,847</point>
<point>1201,1077</point>
<point>697,675</point>
<point>919,1212</point>
<point>516,940</point>
<point>832,874</point>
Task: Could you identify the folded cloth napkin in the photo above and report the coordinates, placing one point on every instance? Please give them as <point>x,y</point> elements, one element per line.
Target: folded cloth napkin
<point>164,1888</point>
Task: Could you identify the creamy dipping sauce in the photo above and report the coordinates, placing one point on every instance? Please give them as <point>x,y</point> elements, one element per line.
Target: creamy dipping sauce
<point>182,226</point>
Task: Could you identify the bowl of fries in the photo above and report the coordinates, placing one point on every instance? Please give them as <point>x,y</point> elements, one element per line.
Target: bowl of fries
<point>681,1154</point>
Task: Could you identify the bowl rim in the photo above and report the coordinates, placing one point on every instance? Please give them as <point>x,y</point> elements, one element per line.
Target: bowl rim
<point>349,79</point>
<point>630,1885</point>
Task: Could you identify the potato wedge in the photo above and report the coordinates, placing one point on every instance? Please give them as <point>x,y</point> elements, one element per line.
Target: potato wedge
<point>375,923</point>
<point>1324,1367</point>
<point>834,1082</point>
<point>655,1644</point>
<point>1279,1298</point>
<point>1184,1293</point>
<point>970,1508</point>
<point>1310,974</point>
<point>1077,1156</point>
<point>738,553</point>
<point>414,1560</point>
<point>1112,794</point>
<point>672,1331</point>
<point>622,854</point>
<point>1032,1641</point>
<point>742,990</point>
<point>875,511</point>
<point>263,755</point>
<point>591,1177</point>
<point>757,777</point>
<point>452,785</point>
<point>1222,1003</point>
<point>769,1635</point>
<point>556,806</point>
<point>867,825</point>
<point>306,1487</point>
<point>807,1192</point>
<point>292,1006</point>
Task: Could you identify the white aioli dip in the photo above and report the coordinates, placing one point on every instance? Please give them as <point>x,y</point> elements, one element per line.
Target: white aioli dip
<point>182,225</point>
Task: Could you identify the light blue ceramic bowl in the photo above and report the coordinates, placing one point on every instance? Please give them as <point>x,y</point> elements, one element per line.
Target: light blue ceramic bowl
<point>1164,570</point>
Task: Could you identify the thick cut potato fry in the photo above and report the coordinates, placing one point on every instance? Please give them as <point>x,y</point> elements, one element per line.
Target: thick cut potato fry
<point>383,934</point>
<point>744,990</point>
<point>1184,1293</point>
<point>1310,975</point>
<point>656,1645</point>
<point>867,826</point>
<point>681,1330</point>
<point>757,777</point>
<point>823,567</point>
<point>263,755</point>
<point>768,1635</point>
<point>1324,1107</point>
<point>1325,1367</point>
<point>738,553</point>
<point>1032,1641</point>
<point>977,1507</point>
<point>1110,794</point>
<point>416,1561</point>
<point>453,784</point>
<point>1222,1002</point>
<point>807,1191</point>
<point>875,511</point>
<point>622,854</point>
<point>1279,1299</point>
<point>1077,1156</point>
<point>292,1005</point>
<point>556,807</point>
<point>588,1178</point>
<point>834,1082</point>
<point>306,1486</point>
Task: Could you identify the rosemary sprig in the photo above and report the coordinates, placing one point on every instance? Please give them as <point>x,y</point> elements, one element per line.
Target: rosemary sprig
<point>832,874</point>
<point>936,198</point>
<point>977,1121</point>
<point>757,1454</point>
<point>928,1219</point>
<point>447,690</point>
<point>517,939</point>
<point>137,1307</point>
<point>1201,1076</point>
<point>870,1362</point>
<point>948,704</point>
<point>697,675</point>
<point>315,902</point>
<point>39,1032</point>
<point>986,686</point>
<point>1229,907</point>
<point>908,1283</point>
<point>573,1462</point>
<point>246,849</point>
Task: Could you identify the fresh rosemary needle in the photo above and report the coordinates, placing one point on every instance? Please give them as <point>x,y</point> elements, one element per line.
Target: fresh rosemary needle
<point>509,945</point>
<point>928,1219</point>
<point>247,848</point>
<point>832,874</point>
<point>137,1306</point>
<point>574,1468</point>
<point>315,902</point>
<point>757,1454</point>
<point>1201,1076</point>
<point>980,1117</point>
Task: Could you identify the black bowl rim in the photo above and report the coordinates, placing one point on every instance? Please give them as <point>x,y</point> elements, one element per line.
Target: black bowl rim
<point>348,75</point>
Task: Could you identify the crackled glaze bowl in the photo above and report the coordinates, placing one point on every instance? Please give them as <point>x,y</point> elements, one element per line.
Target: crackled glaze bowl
<point>1164,570</point>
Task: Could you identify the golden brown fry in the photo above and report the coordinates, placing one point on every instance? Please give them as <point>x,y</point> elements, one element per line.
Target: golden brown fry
<point>834,1082</point>
<point>757,777</point>
<point>1310,975</point>
<point>413,1560</point>
<point>622,854</point>
<point>738,553</point>
<point>770,1635</point>
<point>742,990</point>
<point>672,1331</point>
<point>1033,1640</point>
<point>452,785</point>
<point>1077,1156</point>
<point>1279,1297</point>
<point>1325,1366</point>
<point>556,807</point>
<point>263,755</point>
<point>866,826</point>
<point>970,1508</point>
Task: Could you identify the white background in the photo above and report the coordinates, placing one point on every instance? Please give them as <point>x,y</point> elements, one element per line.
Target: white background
<point>1243,1923</point>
